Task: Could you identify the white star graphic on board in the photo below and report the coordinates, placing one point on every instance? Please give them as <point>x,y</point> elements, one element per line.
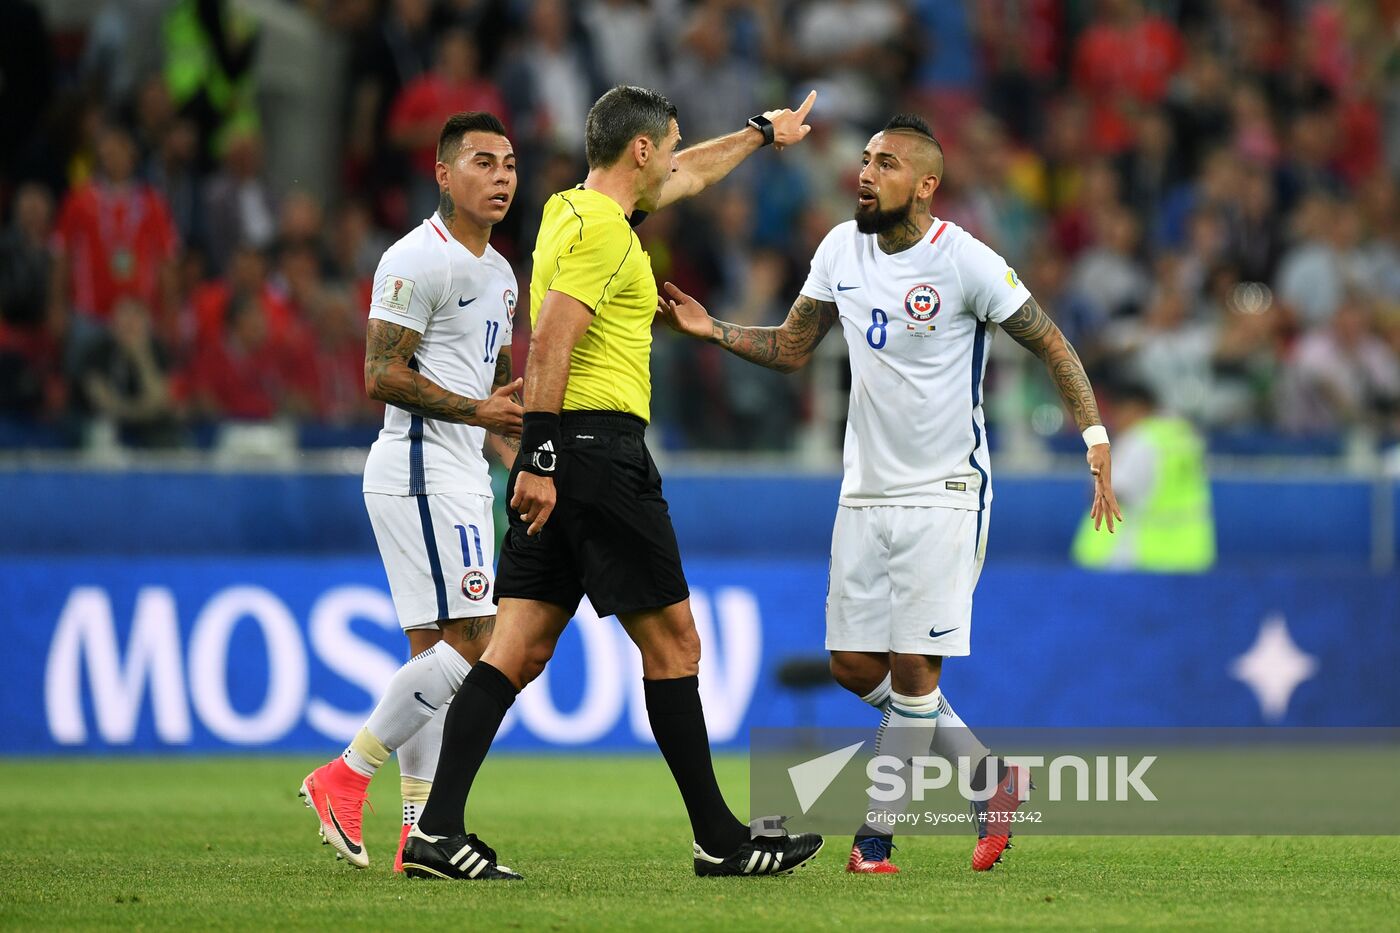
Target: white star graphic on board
<point>1273,667</point>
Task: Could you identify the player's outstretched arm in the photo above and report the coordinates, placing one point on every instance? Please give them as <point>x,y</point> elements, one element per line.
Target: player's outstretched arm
<point>389,379</point>
<point>1033,329</point>
<point>702,165</point>
<point>786,348</point>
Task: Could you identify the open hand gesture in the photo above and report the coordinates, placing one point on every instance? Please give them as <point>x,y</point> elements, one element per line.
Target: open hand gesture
<point>683,314</point>
<point>1105,507</point>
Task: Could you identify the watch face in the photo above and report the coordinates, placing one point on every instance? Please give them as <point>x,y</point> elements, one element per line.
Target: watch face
<point>545,461</point>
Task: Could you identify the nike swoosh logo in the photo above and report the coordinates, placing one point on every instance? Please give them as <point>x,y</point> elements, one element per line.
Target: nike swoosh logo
<point>336,823</point>
<point>419,697</point>
<point>463,304</point>
<point>935,633</point>
<point>845,288</point>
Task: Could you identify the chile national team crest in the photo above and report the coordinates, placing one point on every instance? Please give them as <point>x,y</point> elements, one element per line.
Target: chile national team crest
<point>475,585</point>
<point>509,297</point>
<point>922,302</point>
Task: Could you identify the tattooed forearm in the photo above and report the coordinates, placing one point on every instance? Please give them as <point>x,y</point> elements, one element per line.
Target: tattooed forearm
<point>1032,328</point>
<point>504,370</point>
<point>388,377</point>
<point>786,348</point>
<point>504,375</point>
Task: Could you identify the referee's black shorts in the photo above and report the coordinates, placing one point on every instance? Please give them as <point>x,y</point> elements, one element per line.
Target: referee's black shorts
<point>610,534</point>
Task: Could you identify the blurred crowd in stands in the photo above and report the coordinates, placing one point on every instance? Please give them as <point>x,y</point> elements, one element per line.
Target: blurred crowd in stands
<point>195,193</point>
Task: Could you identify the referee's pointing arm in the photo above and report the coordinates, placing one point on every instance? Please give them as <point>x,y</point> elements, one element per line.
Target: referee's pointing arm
<point>701,166</point>
<point>647,173</point>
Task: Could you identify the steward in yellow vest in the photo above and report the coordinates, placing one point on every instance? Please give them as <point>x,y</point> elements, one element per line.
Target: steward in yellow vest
<point>1159,474</point>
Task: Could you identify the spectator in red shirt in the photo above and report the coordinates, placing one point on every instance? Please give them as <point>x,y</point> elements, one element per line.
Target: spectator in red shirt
<point>427,101</point>
<point>250,374</point>
<point>1123,60</point>
<point>247,277</point>
<point>115,238</point>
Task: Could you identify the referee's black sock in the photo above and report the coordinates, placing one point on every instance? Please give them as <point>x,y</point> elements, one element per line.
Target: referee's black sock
<point>678,722</point>
<point>472,721</point>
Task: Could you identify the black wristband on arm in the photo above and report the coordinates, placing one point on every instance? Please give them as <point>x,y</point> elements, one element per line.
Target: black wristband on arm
<point>765,126</point>
<point>540,443</point>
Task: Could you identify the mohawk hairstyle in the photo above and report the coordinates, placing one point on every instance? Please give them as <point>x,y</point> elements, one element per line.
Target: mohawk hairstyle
<point>913,123</point>
<point>909,121</point>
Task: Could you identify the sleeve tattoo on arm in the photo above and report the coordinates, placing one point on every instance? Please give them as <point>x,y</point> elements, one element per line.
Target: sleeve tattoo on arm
<point>388,349</point>
<point>1033,329</point>
<point>504,376</point>
<point>785,348</point>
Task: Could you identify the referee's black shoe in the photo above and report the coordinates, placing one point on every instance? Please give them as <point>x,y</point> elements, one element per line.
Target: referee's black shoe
<point>452,857</point>
<point>763,855</point>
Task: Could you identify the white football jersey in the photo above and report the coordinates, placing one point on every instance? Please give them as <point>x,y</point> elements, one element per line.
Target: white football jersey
<point>464,308</point>
<point>917,324</point>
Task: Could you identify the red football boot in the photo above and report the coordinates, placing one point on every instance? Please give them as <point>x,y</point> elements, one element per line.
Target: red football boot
<point>995,816</point>
<point>398,857</point>
<point>337,793</point>
<point>871,856</point>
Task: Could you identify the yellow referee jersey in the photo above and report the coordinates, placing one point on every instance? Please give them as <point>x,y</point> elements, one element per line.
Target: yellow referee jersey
<point>587,250</point>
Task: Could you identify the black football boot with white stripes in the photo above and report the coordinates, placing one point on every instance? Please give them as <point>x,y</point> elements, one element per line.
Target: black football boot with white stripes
<point>761,855</point>
<point>456,857</point>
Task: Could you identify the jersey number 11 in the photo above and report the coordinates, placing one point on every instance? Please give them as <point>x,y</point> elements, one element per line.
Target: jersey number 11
<point>493,330</point>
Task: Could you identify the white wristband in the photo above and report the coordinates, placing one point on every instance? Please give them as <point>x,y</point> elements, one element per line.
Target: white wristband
<point>1094,435</point>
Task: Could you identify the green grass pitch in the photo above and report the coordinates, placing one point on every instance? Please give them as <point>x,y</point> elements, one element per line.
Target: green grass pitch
<point>210,843</point>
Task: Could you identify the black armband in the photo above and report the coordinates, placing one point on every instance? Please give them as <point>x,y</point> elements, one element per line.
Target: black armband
<point>540,443</point>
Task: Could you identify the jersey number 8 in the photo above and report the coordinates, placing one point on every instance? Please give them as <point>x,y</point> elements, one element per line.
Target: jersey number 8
<point>875,334</point>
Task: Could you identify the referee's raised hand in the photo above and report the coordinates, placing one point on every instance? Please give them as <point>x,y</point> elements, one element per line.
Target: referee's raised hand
<point>790,126</point>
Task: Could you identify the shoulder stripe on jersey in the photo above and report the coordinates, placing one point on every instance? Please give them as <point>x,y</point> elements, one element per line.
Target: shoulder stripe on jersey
<point>560,258</point>
<point>615,272</point>
<point>561,197</point>
<point>437,231</point>
<point>941,227</point>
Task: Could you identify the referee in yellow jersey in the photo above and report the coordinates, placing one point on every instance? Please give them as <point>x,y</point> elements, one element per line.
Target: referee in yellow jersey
<point>587,514</point>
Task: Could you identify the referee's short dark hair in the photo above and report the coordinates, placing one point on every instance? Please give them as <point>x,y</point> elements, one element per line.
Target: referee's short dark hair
<point>459,125</point>
<point>620,116</point>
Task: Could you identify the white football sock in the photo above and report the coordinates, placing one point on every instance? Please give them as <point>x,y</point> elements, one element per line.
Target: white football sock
<point>880,696</point>
<point>907,732</point>
<point>418,759</point>
<point>953,740</point>
<point>416,693</point>
<point>415,797</point>
<point>365,754</point>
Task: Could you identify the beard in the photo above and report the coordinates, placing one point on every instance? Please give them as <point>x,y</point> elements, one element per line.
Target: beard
<point>877,221</point>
